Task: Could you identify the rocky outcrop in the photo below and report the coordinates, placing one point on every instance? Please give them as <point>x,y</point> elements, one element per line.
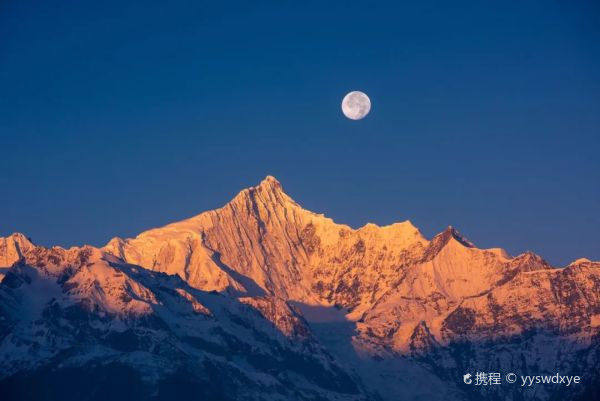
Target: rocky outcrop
<point>11,250</point>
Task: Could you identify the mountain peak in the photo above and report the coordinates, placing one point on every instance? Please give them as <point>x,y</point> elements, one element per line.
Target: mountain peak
<point>270,183</point>
<point>530,261</point>
<point>12,249</point>
<point>448,236</point>
<point>270,179</point>
<point>451,232</point>
<point>269,191</point>
<point>581,261</point>
<point>18,238</point>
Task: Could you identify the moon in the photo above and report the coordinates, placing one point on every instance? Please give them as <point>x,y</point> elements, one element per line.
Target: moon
<point>356,105</point>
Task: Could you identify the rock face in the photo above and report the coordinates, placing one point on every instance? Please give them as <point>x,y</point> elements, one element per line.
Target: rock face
<point>11,250</point>
<point>147,335</point>
<point>271,301</point>
<point>264,242</point>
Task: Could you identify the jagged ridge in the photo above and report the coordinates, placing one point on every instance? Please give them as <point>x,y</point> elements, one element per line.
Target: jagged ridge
<point>400,293</point>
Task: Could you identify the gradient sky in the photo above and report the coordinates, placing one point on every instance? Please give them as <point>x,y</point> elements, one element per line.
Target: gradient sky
<point>118,118</point>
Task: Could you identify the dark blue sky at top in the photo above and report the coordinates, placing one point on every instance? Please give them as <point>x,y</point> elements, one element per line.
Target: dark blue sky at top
<point>116,117</point>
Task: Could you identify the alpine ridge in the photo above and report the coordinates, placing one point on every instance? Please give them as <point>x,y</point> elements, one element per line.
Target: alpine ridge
<point>262,299</point>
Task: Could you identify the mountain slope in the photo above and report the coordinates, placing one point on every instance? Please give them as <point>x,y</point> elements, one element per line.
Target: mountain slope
<point>262,286</point>
<point>263,241</point>
<point>86,311</point>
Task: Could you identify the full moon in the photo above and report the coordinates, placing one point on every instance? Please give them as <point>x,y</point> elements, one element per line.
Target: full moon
<point>356,105</point>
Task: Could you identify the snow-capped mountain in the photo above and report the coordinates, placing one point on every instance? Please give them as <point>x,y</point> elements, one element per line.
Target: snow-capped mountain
<point>262,299</point>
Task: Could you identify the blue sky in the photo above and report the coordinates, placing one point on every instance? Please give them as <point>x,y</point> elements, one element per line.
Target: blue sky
<point>116,118</point>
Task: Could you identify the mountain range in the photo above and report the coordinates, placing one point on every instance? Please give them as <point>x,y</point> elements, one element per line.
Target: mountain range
<point>264,300</point>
